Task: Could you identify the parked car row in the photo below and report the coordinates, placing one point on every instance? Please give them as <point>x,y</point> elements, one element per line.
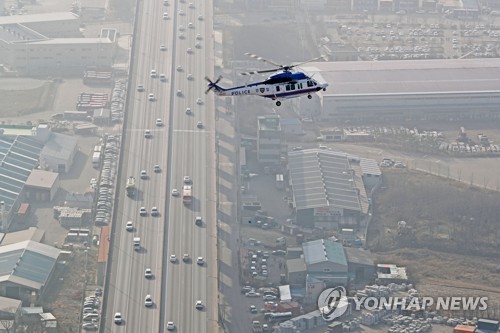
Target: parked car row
<point>90,312</point>
<point>107,180</point>
<point>117,100</point>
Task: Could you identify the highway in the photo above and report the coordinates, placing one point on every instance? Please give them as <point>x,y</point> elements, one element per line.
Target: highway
<point>181,149</point>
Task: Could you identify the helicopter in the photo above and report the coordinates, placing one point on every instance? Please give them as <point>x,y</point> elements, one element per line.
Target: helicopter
<point>282,85</point>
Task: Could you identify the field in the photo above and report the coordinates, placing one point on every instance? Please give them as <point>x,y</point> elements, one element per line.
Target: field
<point>449,241</point>
<point>25,96</point>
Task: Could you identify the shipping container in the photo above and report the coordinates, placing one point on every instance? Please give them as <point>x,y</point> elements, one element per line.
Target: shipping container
<point>464,329</point>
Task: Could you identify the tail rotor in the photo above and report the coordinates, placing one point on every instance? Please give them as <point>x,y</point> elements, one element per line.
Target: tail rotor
<point>211,84</point>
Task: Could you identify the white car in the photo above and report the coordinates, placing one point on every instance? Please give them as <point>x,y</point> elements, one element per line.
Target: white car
<point>185,257</point>
<point>165,3</point>
<point>191,5</point>
<point>148,274</point>
<point>147,134</point>
<point>197,45</point>
<point>175,192</point>
<point>151,97</point>
<point>199,305</point>
<point>170,326</point>
<point>153,73</point>
<point>163,47</point>
<point>252,294</point>
<point>181,13</point>
<point>143,211</point>
<point>199,101</point>
<point>173,258</point>
<point>159,122</point>
<point>190,77</point>
<point>148,301</point>
<point>190,25</point>
<point>189,50</point>
<point>198,37</point>
<point>129,226</point>
<point>181,35</point>
<point>188,111</point>
<point>144,174</point>
<point>200,261</point>
<point>163,78</point>
<point>179,68</point>
<point>179,92</point>
<point>165,16</point>
<point>118,318</point>
<point>140,87</point>
<point>181,28</point>
<point>199,124</point>
<point>187,180</point>
<point>268,297</point>
<point>157,168</point>
<point>154,211</point>
<point>200,17</point>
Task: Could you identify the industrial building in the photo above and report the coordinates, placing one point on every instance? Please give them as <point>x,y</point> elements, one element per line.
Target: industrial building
<point>361,266</point>
<point>269,140</point>
<point>327,188</point>
<point>52,44</point>
<point>59,151</point>
<point>41,186</point>
<point>27,268</point>
<point>406,90</point>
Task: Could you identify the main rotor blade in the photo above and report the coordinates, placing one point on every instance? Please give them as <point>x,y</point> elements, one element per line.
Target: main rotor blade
<point>305,62</point>
<point>258,72</point>
<point>254,56</point>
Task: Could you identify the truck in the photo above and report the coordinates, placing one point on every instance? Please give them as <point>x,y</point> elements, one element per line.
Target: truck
<point>187,194</point>
<point>137,243</point>
<point>130,186</point>
<point>256,326</point>
<point>96,159</point>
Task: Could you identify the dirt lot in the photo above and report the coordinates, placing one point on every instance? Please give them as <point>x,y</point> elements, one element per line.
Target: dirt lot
<point>450,242</point>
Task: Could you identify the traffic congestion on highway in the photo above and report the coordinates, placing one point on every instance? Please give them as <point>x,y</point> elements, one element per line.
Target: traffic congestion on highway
<point>163,269</point>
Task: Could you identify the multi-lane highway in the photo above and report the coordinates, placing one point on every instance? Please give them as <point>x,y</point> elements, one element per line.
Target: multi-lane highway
<point>181,149</point>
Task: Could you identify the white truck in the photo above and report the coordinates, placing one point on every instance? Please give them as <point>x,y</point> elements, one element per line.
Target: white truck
<point>137,243</point>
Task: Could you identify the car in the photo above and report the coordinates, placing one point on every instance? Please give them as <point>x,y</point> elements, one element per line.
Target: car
<point>90,326</point>
<point>175,192</point>
<point>144,174</point>
<point>199,101</point>
<point>118,318</point>
<point>200,17</point>
<point>179,92</point>
<point>156,168</point>
<point>148,274</point>
<point>189,50</point>
<point>179,68</point>
<point>148,301</point>
<point>153,73</point>
<point>165,16</point>
<point>129,226</point>
<point>197,45</point>
<point>190,77</point>
<point>253,309</point>
<point>190,25</point>
<point>198,220</point>
<point>163,47</point>
<point>140,87</point>
<point>163,78</point>
<point>147,134</point>
<point>143,211</point>
<point>188,111</point>
<point>173,258</point>
<point>269,297</point>
<point>199,305</point>
<point>191,5</point>
<point>181,35</point>
<point>399,164</point>
<point>200,261</point>
<point>165,3</point>
<point>151,97</point>
<point>159,122</point>
<point>154,211</point>
<point>252,293</point>
<point>198,37</point>
<point>170,326</point>
<point>181,13</point>
<point>246,289</point>
<point>187,180</point>
<point>297,148</point>
<point>181,28</point>
<point>199,124</point>
<point>185,257</point>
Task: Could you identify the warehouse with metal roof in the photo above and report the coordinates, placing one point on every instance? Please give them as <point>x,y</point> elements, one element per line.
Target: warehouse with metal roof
<point>26,267</point>
<point>327,188</point>
<point>326,261</point>
<point>18,156</point>
<point>413,89</point>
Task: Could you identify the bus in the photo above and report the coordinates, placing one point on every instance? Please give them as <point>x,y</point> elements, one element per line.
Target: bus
<point>273,317</point>
<point>187,194</point>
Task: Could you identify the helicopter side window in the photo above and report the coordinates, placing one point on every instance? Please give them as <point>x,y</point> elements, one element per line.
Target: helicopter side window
<point>277,88</point>
<point>310,83</point>
<point>290,87</point>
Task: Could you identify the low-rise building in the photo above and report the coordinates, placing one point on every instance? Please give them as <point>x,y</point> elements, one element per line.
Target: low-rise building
<point>325,260</point>
<point>41,185</point>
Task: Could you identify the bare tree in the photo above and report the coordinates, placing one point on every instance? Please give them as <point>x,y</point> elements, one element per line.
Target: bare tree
<point>7,318</point>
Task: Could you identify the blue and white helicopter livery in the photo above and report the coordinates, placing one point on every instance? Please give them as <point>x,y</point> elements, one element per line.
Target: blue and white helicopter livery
<point>282,85</point>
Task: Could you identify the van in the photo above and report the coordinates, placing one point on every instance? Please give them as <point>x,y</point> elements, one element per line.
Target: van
<point>137,243</point>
